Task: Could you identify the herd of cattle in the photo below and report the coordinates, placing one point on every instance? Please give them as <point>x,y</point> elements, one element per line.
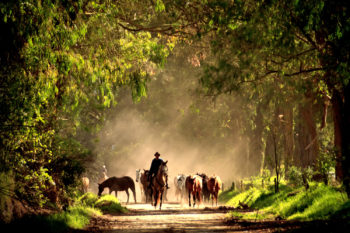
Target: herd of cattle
<point>201,187</point>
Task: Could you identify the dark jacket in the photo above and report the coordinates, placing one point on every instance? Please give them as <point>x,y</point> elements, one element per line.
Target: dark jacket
<point>155,166</point>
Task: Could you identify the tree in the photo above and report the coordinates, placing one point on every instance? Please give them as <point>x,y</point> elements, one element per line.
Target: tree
<point>295,40</point>
<point>62,63</point>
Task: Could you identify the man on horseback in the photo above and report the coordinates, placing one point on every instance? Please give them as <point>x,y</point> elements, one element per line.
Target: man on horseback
<point>156,162</point>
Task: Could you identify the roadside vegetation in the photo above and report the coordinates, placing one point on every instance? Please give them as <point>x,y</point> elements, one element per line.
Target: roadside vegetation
<point>76,216</point>
<point>318,202</point>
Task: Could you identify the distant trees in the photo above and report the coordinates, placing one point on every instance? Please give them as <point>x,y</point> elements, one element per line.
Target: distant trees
<point>300,48</point>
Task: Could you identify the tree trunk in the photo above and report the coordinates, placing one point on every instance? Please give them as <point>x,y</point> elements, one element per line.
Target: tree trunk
<point>336,106</point>
<point>307,136</point>
<point>288,136</point>
<point>341,116</point>
<point>256,154</point>
<point>346,140</point>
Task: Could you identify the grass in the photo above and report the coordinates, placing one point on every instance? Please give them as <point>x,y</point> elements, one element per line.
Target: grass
<point>110,204</point>
<point>318,203</point>
<point>75,217</point>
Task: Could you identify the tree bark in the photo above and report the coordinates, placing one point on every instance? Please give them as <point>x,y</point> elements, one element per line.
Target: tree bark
<point>256,154</point>
<point>336,107</point>
<point>287,123</point>
<point>307,136</point>
<point>346,140</point>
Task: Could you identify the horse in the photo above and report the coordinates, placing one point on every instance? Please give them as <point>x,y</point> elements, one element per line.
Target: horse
<point>158,184</point>
<point>214,186</point>
<point>205,191</point>
<point>194,187</point>
<point>103,176</point>
<point>179,183</point>
<point>118,184</point>
<point>86,183</point>
<point>141,176</point>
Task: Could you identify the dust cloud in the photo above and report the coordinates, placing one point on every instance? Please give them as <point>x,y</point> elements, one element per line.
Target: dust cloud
<point>164,122</point>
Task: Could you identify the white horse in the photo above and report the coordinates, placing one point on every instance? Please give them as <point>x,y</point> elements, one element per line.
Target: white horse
<point>139,172</point>
<point>180,190</point>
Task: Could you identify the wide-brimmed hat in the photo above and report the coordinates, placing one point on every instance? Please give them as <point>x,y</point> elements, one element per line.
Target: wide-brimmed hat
<point>156,154</point>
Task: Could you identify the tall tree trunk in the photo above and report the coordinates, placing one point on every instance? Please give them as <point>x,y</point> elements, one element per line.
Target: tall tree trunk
<point>287,123</point>
<point>341,116</point>
<point>256,154</point>
<point>337,113</point>
<point>269,153</point>
<point>346,139</point>
<point>307,138</point>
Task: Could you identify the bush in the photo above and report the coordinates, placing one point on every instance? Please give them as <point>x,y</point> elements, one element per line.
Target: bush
<point>109,204</point>
<point>76,217</point>
<point>87,199</point>
<point>295,176</point>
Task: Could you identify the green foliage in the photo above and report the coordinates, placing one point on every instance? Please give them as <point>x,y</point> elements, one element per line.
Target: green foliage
<point>88,199</point>
<point>256,215</point>
<point>109,204</point>
<point>319,202</point>
<point>226,195</point>
<point>295,176</point>
<point>76,217</point>
<point>62,64</point>
<point>105,203</point>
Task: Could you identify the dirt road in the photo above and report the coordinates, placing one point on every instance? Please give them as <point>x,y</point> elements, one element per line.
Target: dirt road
<point>172,218</point>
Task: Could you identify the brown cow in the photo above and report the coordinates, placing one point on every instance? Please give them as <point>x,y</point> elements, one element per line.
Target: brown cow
<point>194,187</point>
<point>214,185</point>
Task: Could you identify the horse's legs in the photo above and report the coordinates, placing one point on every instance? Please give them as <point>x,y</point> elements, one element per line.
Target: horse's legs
<point>155,198</point>
<point>199,198</point>
<point>161,200</point>
<point>127,193</point>
<point>189,198</point>
<point>194,199</point>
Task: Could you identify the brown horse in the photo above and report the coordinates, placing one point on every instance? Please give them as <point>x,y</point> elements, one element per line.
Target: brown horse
<point>86,183</point>
<point>158,184</point>
<point>214,186</point>
<point>141,176</point>
<point>194,187</point>
<point>205,191</point>
<point>118,184</point>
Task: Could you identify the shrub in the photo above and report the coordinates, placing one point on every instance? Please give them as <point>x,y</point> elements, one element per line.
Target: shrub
<point>109,204</point>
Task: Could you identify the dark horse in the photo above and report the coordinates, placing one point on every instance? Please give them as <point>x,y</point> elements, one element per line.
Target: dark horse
<point>205,190</point>
<point>194,187</point>
<point>118,184</point>
<point>141,176</point>
<point>158,184</point>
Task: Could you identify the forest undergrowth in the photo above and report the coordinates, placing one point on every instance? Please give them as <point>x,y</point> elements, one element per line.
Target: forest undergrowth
<point>317,202</point>
<point>75,217</point>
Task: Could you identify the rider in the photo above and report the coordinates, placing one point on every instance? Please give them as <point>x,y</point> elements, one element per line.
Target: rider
<point>156,162</point>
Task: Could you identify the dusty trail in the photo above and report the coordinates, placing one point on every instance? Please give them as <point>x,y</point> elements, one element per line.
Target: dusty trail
<point>172,218</point>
